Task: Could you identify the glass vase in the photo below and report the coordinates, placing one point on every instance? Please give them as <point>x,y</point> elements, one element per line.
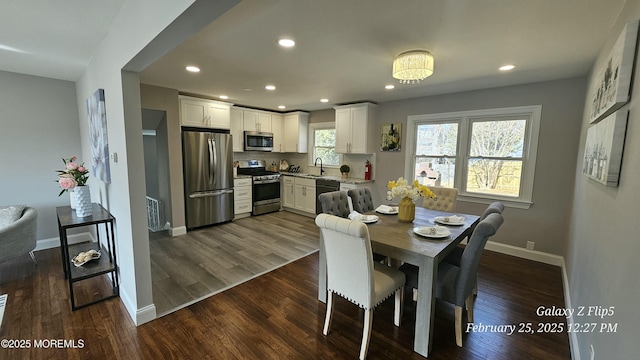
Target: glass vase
<point>406,210</point>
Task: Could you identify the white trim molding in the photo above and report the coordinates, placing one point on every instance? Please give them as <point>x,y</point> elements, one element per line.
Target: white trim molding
<point>71,239</point>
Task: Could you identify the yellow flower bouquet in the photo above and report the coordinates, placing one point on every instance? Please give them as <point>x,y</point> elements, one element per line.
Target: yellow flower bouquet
<point>401,188</point>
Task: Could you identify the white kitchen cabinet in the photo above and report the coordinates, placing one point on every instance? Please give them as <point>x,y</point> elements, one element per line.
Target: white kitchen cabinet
<point>355,129</point>
<point>254,120</point>
<point>278,135</point>
<point>237,129</point>
<point>296,128</point>
<point>242,199</point>
<point>299,193</point>
<point>204,113</point>
<point>288,192</point>
<point>305,195</point>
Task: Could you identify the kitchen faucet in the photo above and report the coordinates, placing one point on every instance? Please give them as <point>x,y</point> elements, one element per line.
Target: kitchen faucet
<point>315,163</point>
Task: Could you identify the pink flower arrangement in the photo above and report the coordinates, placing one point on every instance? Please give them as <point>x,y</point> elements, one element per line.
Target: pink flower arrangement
<point>73,175</point>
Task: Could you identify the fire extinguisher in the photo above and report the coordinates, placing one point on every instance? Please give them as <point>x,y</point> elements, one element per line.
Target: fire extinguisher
<point>367,170</point>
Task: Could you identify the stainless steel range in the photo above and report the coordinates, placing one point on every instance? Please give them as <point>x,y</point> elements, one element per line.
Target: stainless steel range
<point>266,186</point>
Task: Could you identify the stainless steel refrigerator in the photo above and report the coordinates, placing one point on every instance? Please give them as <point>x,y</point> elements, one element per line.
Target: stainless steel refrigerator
<point>208,177</point>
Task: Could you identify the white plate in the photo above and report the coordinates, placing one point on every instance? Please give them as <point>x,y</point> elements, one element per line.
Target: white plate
<point>426,231</point>
<point>370,219</point>
<point>393,211</point>
<point>446,220</point>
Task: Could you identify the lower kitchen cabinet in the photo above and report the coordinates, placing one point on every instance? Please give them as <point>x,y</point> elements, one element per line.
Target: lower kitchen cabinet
<point>242,200</point>
<point>299,194</point>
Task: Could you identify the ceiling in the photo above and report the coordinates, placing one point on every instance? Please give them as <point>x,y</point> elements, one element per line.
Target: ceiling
<point>344,49</point>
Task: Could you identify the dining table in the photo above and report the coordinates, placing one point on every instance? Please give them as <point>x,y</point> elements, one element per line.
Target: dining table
<point>400,242</point>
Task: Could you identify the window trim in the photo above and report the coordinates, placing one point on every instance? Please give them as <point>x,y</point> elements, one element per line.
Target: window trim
<point>463,118</point>
<point>312,141</point>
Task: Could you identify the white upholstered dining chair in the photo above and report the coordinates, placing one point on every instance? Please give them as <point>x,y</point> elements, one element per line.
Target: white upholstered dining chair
<point>352,273</point>
<point>445,199</point>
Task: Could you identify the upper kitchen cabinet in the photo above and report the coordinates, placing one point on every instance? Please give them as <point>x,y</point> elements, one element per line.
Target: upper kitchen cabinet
<point>355,128</point>
<point>296,128</point>
<point>204,113</point>
<point>277,129</point>
<point>256,121</point>
<point>237,129</point>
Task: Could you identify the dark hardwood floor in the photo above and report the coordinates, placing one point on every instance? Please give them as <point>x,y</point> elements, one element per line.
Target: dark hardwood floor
<point>274,316</point>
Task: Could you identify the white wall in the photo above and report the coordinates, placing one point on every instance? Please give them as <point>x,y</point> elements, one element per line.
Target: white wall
<point>38,127</point>
<point>603,248</point>
<point>546,222</point>
<point>142,32</point>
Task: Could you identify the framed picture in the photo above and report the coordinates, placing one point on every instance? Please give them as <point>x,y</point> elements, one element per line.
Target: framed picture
<point>611,84</point>
<point>390,139</point>
<point>97,113</point>
<point>603,149</point>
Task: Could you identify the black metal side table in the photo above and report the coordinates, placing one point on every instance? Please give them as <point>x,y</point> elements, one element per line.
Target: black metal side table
<point>106,264</point>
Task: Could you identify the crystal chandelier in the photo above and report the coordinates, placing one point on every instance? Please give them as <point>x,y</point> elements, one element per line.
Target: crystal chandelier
<point>412,66</point>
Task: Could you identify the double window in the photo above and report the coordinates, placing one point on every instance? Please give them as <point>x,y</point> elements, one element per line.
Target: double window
<point>485,154</point>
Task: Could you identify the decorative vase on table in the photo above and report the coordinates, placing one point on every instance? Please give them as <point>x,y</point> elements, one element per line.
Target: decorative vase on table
<point>406,210</point>
<point>83,201</point>
<point>72,199</point>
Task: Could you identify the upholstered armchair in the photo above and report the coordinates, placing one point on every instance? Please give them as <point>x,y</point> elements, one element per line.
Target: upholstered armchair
<point>445,200</point>
<point>17,231</point>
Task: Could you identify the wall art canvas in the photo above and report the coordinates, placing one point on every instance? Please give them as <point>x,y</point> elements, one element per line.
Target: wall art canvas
<point>603,149</point>
<point>611,84</point>
<point>391,137</point>
<point>97,113</point>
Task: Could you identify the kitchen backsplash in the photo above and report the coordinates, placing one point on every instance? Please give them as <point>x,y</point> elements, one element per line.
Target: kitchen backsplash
<point>355,162</point>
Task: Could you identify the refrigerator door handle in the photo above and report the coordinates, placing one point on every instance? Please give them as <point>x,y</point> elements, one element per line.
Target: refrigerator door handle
<point>210,193</point>
<point>213,161</point>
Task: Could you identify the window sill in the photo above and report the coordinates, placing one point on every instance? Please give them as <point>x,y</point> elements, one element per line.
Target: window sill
<point>518,204</point>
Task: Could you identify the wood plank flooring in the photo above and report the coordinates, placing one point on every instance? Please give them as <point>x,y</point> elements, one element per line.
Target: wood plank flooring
<point>276,316</point>
<point>193,266</point>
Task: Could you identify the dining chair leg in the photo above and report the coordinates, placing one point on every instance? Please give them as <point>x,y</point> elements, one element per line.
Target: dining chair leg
<point>458,321</point>
<point>469,305</point>
<point>366,333</point>
<point>397,313</point>
<point>329,313</point>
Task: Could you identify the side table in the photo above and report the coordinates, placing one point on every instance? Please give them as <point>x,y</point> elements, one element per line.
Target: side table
<point>106,264</point>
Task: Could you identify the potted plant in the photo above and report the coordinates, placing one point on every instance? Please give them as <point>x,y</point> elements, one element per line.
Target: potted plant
<point>344,169</point>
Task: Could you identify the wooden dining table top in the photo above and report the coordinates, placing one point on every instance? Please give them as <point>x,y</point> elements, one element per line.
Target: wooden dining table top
<point>388,232</point>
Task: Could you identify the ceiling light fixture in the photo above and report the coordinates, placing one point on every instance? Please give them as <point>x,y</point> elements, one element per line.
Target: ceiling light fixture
<point>506,67</point>
<point>286,43</point>
<point>193,69</point>
<point>324,100</point>
<point>389,87</point>
<point>270,87</point>
<point>281,107</point>
<point>223,97</point>
<point>411,67</point>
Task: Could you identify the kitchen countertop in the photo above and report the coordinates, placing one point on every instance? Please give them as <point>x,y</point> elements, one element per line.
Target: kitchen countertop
<point>327,177</point>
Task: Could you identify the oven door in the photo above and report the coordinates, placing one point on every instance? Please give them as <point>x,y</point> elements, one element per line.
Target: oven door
<point>266,196</point>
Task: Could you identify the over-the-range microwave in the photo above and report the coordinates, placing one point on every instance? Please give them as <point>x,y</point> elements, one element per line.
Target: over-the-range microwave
<point>258,141</point>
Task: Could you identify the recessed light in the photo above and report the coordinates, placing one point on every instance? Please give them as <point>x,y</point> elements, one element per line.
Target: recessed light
<point>389,87</point>
<point>324,100</point>
<point>224,97</point>
<point>506,67</point>
<point>286,43</point>
<point>193,69</point>
<point>270,87</point>
<point>281,107</point>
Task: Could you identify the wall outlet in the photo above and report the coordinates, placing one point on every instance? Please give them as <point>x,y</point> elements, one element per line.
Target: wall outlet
<point>531,245</point>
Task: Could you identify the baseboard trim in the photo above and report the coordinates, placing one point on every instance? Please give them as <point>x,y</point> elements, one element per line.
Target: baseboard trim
<point>573,336</point>
<point>139,316</point>
<point>55,242</point>
<point>534,255</point>
<point>176,231</point>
